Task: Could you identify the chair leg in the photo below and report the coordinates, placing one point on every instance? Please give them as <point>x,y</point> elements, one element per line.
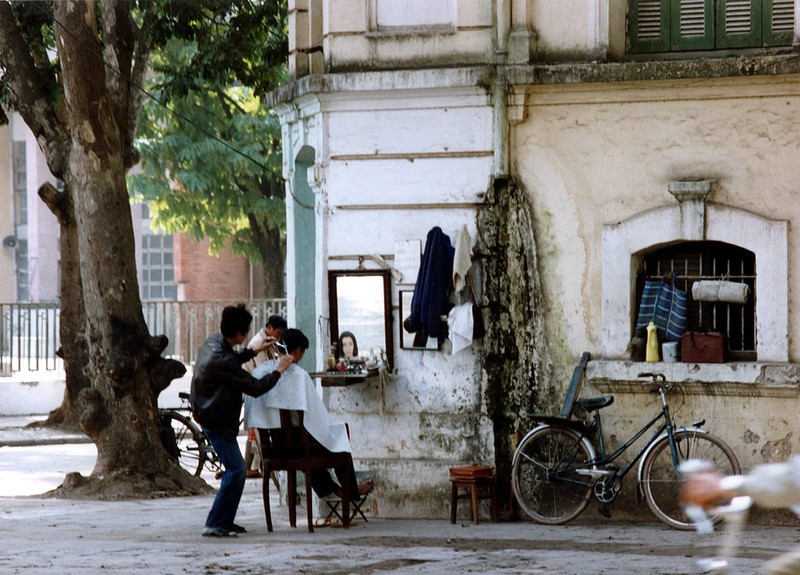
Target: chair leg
<point>473,492</point>
<point>453,502</point>
<point>291,497</point>
<point>265,495</point>
<point>346,497</point>
<point>309,510</point>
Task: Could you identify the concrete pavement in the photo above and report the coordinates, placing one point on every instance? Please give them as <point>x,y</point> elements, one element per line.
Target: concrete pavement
<point>162,536</point>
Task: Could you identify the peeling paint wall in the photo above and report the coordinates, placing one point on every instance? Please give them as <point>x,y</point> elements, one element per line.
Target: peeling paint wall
<point>592,155</point>
<point>390,164</point>
<point>592,144</point>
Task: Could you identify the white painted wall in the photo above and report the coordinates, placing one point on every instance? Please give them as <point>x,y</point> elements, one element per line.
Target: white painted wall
<point>382,156</point>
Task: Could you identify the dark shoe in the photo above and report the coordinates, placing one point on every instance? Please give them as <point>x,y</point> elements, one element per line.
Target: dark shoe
<point>218,532</point>
<point>237,528</point>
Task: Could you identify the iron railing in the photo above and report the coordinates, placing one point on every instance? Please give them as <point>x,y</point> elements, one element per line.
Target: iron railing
<point>29,332</point>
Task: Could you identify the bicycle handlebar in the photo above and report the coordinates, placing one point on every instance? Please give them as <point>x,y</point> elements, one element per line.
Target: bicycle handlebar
<point>659,381</point>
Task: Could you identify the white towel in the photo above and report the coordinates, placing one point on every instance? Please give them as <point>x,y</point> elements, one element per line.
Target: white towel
<point>296,391</point>
<point>460,323</point>
<point>462,259</point>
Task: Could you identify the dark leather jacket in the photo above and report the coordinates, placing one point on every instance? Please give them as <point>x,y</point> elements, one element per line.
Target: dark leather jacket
<point>219,382</point>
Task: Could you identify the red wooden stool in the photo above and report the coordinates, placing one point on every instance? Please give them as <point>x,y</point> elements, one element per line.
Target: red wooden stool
<point>479,482</point>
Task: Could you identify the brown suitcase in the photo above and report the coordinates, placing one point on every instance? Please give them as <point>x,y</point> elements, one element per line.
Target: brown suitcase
<point>704,347</point>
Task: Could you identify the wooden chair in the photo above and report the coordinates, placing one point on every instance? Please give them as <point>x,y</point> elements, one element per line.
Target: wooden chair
<point>291,448</point>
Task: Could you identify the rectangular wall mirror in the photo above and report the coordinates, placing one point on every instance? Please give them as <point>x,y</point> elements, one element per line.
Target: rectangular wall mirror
<point>361,309</point>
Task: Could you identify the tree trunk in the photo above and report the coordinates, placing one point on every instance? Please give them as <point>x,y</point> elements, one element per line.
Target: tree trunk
<point>119,410</point>
<point>73,317</point>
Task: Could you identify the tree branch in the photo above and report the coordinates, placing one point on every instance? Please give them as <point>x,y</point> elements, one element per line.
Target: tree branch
<point>118,55</point>
<point>28,95</point>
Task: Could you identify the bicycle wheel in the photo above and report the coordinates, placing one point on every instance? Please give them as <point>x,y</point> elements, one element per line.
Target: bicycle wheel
<point>192,446</point>
<point>661,482</point>
<point>543,475</point>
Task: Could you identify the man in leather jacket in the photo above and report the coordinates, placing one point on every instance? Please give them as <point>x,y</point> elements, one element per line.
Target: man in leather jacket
<point>216,397</point>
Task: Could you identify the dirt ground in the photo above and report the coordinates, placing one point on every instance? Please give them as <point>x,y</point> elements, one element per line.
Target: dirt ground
<point>162,536</point>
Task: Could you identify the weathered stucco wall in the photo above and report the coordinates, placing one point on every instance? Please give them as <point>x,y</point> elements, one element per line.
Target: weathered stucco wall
<point>390,164</point>
<point>591,155</point>
<point>363,35</point>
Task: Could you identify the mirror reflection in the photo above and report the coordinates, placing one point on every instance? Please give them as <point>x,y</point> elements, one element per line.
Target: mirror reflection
<point>360,303</point>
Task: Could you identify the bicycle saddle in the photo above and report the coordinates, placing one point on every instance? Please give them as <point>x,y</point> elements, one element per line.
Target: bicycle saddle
<point>596,402</point>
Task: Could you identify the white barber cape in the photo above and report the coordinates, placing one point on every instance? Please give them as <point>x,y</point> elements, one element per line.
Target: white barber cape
<point>295,391</point>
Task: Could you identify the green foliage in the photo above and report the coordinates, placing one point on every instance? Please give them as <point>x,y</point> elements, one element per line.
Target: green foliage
<point>210,150</point>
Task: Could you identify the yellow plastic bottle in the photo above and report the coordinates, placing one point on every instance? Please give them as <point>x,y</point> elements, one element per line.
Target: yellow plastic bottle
<point>651,353</point>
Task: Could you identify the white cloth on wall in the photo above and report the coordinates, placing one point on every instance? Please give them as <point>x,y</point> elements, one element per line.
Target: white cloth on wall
<point>295,391</point>
<point>462,259</point>
<point>460,323</point>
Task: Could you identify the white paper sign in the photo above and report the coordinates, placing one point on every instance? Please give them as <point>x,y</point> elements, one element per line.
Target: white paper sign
<point>407,257</point>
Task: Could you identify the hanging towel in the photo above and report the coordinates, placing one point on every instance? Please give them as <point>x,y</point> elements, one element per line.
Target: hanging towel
<point>462,259</point>
<point>461,324</point>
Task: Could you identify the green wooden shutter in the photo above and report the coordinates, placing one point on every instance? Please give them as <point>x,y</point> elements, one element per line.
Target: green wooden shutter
<point>692,25</point>
<point>648,25</point>
<point>778,23</point>
<point>739,23</point>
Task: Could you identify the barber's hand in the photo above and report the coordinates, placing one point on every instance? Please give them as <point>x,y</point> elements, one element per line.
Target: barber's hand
<point>704,489</point>
<point>284,362</point>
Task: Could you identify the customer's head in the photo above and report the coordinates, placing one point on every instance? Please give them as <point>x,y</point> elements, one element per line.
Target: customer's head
<point>294,342</point>
<point>235,322</point>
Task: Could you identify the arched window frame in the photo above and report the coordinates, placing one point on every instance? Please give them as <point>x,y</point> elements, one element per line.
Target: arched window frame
<point>625,241</point>
<point>708,260</point>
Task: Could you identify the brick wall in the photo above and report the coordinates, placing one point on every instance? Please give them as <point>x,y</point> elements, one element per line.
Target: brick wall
<point>201,276</point>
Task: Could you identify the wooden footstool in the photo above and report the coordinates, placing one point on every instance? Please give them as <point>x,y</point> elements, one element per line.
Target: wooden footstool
<point>478,480</point>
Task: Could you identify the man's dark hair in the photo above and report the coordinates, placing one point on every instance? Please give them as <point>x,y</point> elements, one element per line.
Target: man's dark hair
<point>277,322</point>
<point>293,339</point>
<point>235,320</point>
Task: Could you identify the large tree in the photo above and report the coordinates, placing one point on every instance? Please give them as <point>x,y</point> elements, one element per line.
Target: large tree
<point>73,70</point>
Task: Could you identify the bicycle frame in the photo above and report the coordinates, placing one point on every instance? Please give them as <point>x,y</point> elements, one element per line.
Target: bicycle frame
<point>603,459</point>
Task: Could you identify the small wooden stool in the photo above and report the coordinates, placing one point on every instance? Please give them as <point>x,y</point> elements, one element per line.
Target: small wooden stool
<point>479,482</point>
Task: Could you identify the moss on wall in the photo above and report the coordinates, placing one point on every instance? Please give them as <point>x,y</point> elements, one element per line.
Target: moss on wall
<point>513,362</point>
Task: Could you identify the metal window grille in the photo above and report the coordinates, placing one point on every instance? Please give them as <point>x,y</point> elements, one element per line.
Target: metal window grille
<point>694,261</point>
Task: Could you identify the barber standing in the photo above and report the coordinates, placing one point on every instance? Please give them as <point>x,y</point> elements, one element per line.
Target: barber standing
<point>216,397</point>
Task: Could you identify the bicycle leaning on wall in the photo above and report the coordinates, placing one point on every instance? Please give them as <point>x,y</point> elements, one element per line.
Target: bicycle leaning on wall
<point>557,469</point>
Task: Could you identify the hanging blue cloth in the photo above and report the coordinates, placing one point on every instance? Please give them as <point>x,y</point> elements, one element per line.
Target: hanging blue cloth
<point>432,291</point>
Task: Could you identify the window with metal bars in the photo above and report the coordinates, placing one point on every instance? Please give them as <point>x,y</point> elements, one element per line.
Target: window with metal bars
<point>694,261</point>
<point>688,25</point>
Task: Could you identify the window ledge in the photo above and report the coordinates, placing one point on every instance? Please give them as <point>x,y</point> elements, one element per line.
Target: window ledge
<point>747,379</point>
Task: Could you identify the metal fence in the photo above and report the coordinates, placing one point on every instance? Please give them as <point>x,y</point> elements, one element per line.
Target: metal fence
<point>29,332</point>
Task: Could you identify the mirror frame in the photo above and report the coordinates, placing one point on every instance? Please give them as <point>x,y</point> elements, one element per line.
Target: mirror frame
<point>333,302</point>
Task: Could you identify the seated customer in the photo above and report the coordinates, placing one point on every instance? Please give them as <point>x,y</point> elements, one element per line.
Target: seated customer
<point>296,391</point>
